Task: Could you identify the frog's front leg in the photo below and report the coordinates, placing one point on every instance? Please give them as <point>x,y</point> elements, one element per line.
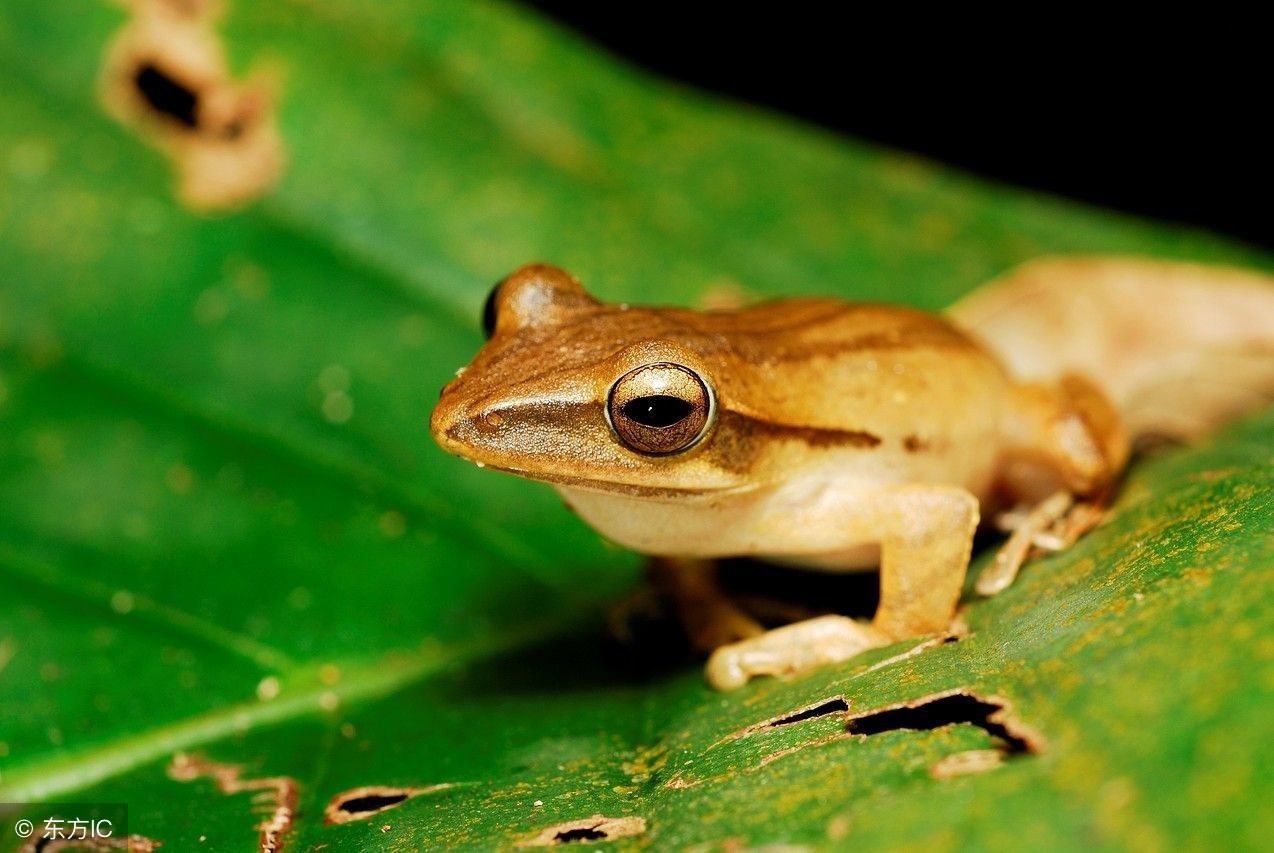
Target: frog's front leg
<point>925,534</point>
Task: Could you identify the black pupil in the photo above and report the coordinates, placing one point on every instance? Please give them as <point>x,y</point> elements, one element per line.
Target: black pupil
<point>658,410</point>
<point>488,310</point>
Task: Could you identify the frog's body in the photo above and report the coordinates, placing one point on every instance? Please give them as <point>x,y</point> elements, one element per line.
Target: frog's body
<point>814,431</point>
<point>900,397</point>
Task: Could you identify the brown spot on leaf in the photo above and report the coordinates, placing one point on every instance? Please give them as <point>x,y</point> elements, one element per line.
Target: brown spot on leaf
<point>279,793</point>
<point>166,77</point>
<point>838,828</point>
<point>369,800</point>
<point>678,782</point>
<point>590,829</point>
<point>965,763</point>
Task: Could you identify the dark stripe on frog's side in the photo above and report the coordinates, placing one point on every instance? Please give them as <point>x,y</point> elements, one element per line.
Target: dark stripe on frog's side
<point>755,428</point>
<point>737,439</point>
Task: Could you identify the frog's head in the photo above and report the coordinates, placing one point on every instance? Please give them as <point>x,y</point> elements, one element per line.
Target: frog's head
<point>571,391</point>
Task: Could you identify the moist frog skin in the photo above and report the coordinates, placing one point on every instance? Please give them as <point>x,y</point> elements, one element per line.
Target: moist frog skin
<point>840,436</point>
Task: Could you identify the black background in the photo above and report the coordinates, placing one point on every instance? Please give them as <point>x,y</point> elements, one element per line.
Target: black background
<point>1170,125</point>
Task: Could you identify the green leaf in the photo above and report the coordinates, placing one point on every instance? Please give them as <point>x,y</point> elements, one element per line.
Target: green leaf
<point>224,529</point>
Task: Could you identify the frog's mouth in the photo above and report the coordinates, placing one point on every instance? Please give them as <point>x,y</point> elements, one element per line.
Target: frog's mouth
<point>573,449</point>
<point>611,487</point>
<point>469,453</point>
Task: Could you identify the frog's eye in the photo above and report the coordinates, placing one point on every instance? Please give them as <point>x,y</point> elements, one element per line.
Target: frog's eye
<point>660,409</point>
<point>488,310</point>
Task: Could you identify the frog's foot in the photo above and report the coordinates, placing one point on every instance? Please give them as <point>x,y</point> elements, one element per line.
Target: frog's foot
<point>792,649</point>
<point>1052,525</point>
<point>710,617</point>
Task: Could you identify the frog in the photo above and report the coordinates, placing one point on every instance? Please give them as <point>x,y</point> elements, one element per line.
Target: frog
<point>815,432</point>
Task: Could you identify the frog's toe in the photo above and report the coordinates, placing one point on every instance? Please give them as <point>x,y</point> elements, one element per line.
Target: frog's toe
<point>792,649</point>
<point>1052,525</point>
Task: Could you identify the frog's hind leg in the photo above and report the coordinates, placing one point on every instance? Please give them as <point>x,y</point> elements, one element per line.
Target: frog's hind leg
<point>925,534</point>
<point>1067,448</point>
<point>1052,525</point>
<point>1026,528</point>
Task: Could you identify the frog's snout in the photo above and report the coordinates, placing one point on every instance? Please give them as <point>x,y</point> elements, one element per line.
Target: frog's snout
<point>462,428</point>
<point>445,420</point>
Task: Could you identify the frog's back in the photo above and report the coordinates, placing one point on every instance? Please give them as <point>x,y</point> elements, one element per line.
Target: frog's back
<point>800,325</point>
<point>878,390</point>
<point>825,362</point>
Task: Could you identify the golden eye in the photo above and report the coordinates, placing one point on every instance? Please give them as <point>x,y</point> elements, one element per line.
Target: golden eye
<point>660,409</point>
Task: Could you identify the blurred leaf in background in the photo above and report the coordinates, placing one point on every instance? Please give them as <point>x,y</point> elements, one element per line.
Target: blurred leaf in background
<point>224,531</point>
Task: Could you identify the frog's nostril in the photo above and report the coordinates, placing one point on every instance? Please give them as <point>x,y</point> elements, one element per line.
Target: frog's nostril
<point>490,422</point>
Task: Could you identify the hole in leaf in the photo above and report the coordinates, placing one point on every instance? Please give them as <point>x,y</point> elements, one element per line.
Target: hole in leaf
<point>165,76</point>
<point>173,100</point>
<point>590,829</point>
<point>832,706</point>
<point>947,709</point>
<point>582,834</point>
<point>362,803</point>
<point>372,803</point>
<point>166,96</point>
<point>835,705</point>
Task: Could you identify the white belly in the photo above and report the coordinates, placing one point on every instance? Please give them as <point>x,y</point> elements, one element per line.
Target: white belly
<point>794,524</point>
<point>816,518</point>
